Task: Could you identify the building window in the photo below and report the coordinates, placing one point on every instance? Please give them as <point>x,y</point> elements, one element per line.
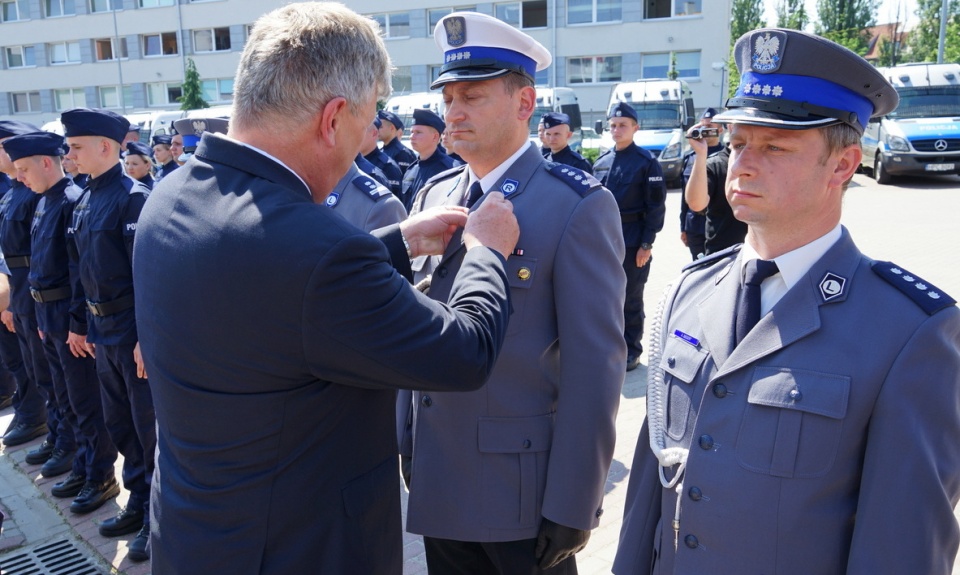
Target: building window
<point>107,49</point>
<point>395,25</point>
<point>594,69</point>
<point>542,77</point>
<point>110,96</point>
<point>211,40</point>
<point>531,14</point>
<point>20,57</point>
<point>164,44</point>
<point>156,3</point>
<point>25,102</point>
<point>402,81</point>
<point>219,90</point>
<point>64,53</point>
<point>163,94</point>
<point>13,10</point>
<point>668,8</point>
<point>105,5</point>
<point>686,64</point>
<point>69,98</point>
<point>594,11</point>
<point>434,15</point>
<point>54,8</point>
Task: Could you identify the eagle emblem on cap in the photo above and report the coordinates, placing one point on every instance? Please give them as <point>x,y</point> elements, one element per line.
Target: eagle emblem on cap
<point>456,29</point>
<point>766,53</point>
<point>199,127</point>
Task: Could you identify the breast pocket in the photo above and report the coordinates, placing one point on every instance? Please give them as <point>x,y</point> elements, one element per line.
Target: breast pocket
<point>792,423</point>
<point>521,273</point>
<point>680,363</point>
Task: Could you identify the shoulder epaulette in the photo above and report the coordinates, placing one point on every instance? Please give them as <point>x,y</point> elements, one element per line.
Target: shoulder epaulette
<point>713,258</point>
<point>369,185</point>
<point>930,298</point>
<point>578,180</point>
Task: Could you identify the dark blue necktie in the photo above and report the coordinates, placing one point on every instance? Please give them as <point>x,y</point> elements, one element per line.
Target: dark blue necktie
<point>748,305</point>
<point>475,193</point>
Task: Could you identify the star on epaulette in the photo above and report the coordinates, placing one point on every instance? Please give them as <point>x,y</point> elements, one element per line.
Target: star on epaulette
<point>930,298</point>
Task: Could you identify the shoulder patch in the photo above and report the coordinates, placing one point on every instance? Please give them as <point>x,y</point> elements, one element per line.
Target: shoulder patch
<point>578,180</point>
<point>930,298</point>
<point>369,185</point>
<point>713,258</point>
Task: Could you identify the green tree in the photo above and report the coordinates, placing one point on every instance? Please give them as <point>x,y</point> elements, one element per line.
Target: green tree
<point>745,15</point>
<point>192,98</point>
<point>923,40</point>
<point>846,22</point>
<point>673,74</point>
<point>792,14</point>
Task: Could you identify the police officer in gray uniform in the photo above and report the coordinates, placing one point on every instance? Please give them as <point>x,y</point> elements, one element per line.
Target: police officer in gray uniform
<point>363,202</point>
<point>510,478</point>
<point>806,422</point>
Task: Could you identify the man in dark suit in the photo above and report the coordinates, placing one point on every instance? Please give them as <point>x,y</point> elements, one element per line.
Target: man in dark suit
<point>805,422</point>
<point>510,478</point>
<point>276,333</point>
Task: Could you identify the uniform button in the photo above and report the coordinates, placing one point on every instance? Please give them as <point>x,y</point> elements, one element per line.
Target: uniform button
<point>426,401</point>
<point>527,443</point>
<point>706,442</point>
<point>795,394</point>
<point>695,493</point>
<point>719,390</point>
<point>691,541</point>
<point>599,512</point>
<point>442,272</point>
<point>671,361</point>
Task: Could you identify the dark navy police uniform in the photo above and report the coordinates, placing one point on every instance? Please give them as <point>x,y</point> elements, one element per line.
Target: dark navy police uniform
<point>569,157</point>
<point>402,155</point>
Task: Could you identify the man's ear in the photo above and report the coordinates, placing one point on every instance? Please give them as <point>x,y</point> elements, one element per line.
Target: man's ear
<point>528,103</point>
<point>847,163</point>
<point>330,120</point>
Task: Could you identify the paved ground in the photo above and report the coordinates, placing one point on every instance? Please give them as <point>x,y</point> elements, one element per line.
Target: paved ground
<point>908,224</point>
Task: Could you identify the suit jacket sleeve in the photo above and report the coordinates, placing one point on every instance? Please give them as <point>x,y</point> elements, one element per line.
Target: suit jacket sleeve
<point>911,470</point>
<point>390,335</point>
<point>589,289</point>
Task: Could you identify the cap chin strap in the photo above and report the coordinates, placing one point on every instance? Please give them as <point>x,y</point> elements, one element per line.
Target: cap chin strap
<point>794,109</point>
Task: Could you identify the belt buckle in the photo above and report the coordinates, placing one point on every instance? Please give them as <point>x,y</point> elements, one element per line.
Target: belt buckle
<point>35,294</point>
<point>94,308</point>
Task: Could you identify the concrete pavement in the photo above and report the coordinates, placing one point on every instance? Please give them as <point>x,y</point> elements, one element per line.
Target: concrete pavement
<point>911,224</point>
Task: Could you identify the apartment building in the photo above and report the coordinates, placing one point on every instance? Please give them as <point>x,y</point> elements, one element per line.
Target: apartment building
<point>129,55</point>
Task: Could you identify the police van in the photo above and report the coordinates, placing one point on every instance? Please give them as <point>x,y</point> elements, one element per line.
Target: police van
<point>405,104</point>
<point>922,136</point>
<point>664,112</point>
<point>563,100</point>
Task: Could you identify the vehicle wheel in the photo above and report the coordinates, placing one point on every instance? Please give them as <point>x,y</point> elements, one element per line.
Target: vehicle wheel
<point>880,173</point>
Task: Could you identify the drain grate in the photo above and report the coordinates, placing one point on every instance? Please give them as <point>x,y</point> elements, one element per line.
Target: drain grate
<point>58,558</point>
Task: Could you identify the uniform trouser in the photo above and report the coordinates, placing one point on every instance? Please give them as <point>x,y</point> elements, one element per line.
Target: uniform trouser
<point>695,243</point>
<point>75,381</point>
<point>633,304</point>
<point>128,412</point>
<point>59,432</point>
<point>27,403</point>
<point>449,557</point>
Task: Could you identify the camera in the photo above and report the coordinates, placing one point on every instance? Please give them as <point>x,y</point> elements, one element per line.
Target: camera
<point>701,133</point>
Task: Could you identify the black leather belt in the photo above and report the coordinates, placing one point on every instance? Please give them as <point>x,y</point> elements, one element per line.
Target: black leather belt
<point>18,262</point>
<point>48,295</point>
<point>629,218</point>
<point>111,307</point>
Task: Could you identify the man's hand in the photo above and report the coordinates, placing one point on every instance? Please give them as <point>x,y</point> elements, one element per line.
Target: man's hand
<point>643,257</point>
<point>557,542</point>
<point>7,318</point>
<point>79,346</point>
<point>429,232</point>
<point>493,225</point>
<point>698,146</point>
<point>138,359</point>
<point>683,238</point>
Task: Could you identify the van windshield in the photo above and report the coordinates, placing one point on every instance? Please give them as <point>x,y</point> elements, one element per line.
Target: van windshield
<point>656,115</point>
<point>936,102</point>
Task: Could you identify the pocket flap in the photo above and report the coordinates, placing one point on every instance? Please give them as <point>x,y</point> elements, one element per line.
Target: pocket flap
<point>515,434</point>
<point>809,391</point>
<point>680,359</point>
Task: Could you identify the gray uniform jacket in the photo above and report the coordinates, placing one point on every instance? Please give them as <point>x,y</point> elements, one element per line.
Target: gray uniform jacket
<point>825,443</point>
<point>364,202</point>
<point>538,438</point>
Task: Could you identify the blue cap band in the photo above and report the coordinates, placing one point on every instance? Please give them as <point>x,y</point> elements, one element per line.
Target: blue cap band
<point>816,91</point>
<point>190,140</point>
<point>473,56</point>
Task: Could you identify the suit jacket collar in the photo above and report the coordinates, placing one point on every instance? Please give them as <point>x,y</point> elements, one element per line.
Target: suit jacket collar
<point>238,156</point>
<point>795,316</point>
